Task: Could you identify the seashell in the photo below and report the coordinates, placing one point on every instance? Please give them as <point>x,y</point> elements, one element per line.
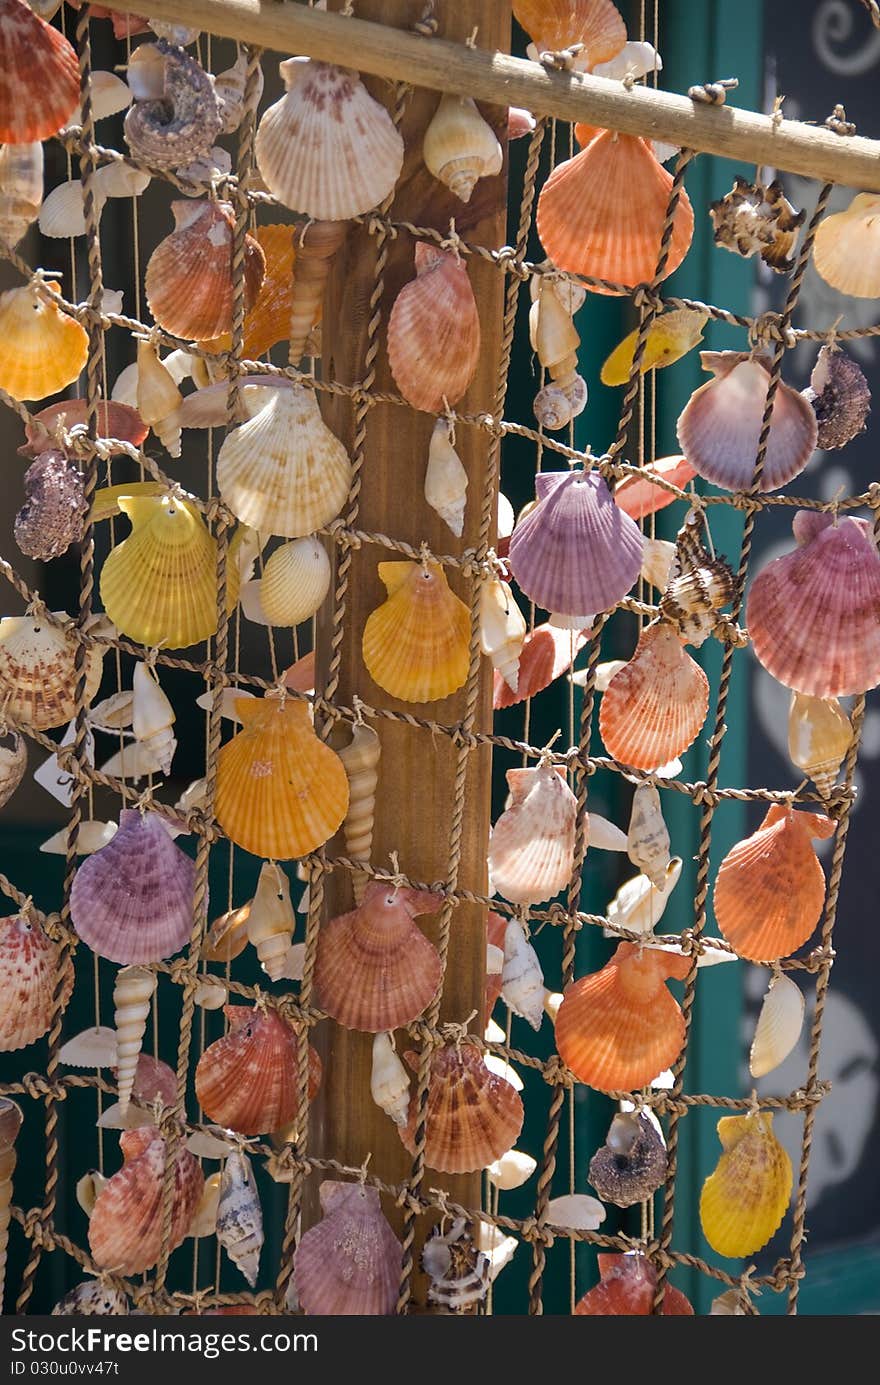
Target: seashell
<point>227,937</point>
<point>556,24</point>
<point>617,1028</point>
<point>281,792</point>
<point>268,320</point>
<point>497,1065</point>
<point>502,630</point>
<point>473,1115</point>
<point>93,1048</point>
<point>349,1263</point>
<point>446,479</point>
<point>42,349</point>
<point>327,148</point>
<point>271,920</point>
<point>13,763</point>
<point>248,1081</point>
<point>571,294</point>
<point>284,472</point>
<point>670,337</point>
<point>90,837</point>
<point>813,614</point>
<point>522,981</point>
<point>239,1216</point>
<point>648,838</point>
<point>601,213</point>
<point>141,758</point>
<point>375,970</point>
<point>719,427</point>
<point>779,1025</point>
<point>556,341</point>
<point>37,670</point>
<point>556,404</point>
<point>434,332</point>
<point>728,1305</point>
<point>176,115</point>
<point>519,122</point>
<point>87,1189</point>
<point>205,1221</point>
<point>181,35</point>
<point>211,994</point>
<point>770,887</point>
<point>655,706</point>
<point>512,1170</point>
<point>699,585</point>
<point>112,714</point>
<point>109,93</point>
<point>21,189</point>
<point>132,901</point>
<point>576,552</point>
<point>460,147</point>
<point>93,1298</point>
<point>575,1212</point>
<point>496,925</point>
<point>637,495</point>
<point>151,710</point>
<point>753,219</point>
<point>295,580</point>
<point>189,275</point>
<point>115,421</point>
<point>604,674</point>
<point>133,993</point>
<point>839,396</point>
<point>845,249</point>
<point>158,398</point>
<point>416,644</point>
<point>159,585</point>
<point>819,736</point>
<point>360,760</point>
<point>605,835</point>
<point>635,59</point>
<point>639,904</point>
<point>547,653</point>
<point>10,1125</point>
<point>389,1082</point>
<point>229,88</point>
<point>457,1268</point>
<point>62,214</point>
<point>125,1228</point>
<point>53,515</point>
<point>626,1289</point>
<point>154,1082</point>
<point>657,559</point>
<point>316,245</point>
<point>631,1165</point>
<point>743,1202</point>
<point>531,849</point>
<point>39,77</point>
<point>499,1248</point>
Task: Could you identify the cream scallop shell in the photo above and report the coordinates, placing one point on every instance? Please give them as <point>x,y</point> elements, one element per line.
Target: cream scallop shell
<point>295,580</point>
<point>779,1025</point>
<point>37,670</point>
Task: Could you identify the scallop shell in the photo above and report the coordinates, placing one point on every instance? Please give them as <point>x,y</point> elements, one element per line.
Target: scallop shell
<point>13,763</point>
<point>819,736</point>
<point>42,349</point>
<point>846,251</point>
<point>115,421</point>
<point>248,1081</point>
<point>295,580</point>
<point>434,332</point>
<point>779,1025</point>
<point>349,1263</point>
<point>131,902</point>
<point>284,472</point>
<point>770,888</point>
<point>446,480</point>
<point>271,920</point>
<point>648,838</point>
<point>281,792</point>
<point>638,497</point>
<point>416,644</point>
<point>576,553</point>
<point>133,993</point>
<point>460,147</point>
<point>239,1215</point>
<point>522,981</point>
<point>631,1165</point>
<point>316,245</point>
<point>389,1081</point>
<point>92,1048</point>
<point>267,322</point>
<point>125,1228</point>
<point>360,759</point>
<point>176,115</point>
<point>719,428</point>
<point>473,1116</point>
<point>29,963</point>
<point>531,849</point>
<point>21,189</point>
<point>375,970</point>
<point>92,1298</point>
<point>189,275</point>
<point>617,1028</point>
<point>502,630</point>
<point>39,76</point>
<point>159,585</point>
<point>601,213</point>
<point>37,670</point>
<point>547,653</point>
<point>626,1289</point>
<point>655,706</point>
<point>557,24</point>
<point>744,1200</point>
<point>840,398</point>
<point>53,515</point>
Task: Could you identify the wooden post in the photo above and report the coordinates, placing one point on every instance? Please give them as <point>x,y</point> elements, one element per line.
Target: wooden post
<point>416,773</point>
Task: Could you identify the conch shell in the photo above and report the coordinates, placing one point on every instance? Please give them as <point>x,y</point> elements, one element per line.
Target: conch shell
<point>389,1081</point>
<point>459,146</point>
<point>502,630</point>
<point>648,839</point>
<point>158,398</point>
<point>271,919</point>
<point>522,981</point>
<point>446,479</point>
<point>819,735</point>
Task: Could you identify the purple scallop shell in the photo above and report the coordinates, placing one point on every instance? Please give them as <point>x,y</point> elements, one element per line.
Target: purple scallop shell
<point>132,900</point>
<point>576,553</point>
<point>814,614</point>
<point>348,1264</point>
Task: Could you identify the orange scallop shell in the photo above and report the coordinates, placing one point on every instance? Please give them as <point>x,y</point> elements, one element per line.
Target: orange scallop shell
<point>556,24</point>
<point>638,497</point>
<point>626,1288</point>
<point>434,331</point>
<point>28,967</point>
<point>189,275</point>
<point>770,888</point>
<point>39,76</point>
<point>547,653</point>
<point>268,321</point>
<point>653,709</point>
<point>473,1115</point>
<point>248,1081</point>
<point>125,1228</point>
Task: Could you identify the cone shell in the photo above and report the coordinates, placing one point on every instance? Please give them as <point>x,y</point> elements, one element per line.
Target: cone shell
<point>626,1289</point>
<point>360,759</point>
<point>846,251</point>
<point>41,348</point>
<point>531,850</point>
<point>819,735</point>
<point>159,585</point>
<point>280,791</point>
<point>375,969</point>
<point>37,671</point>
<point>547,653</point>
<point>125,1228</point>
<point>415,644</point>
<point>189,275</point>
<point>460,147</point>
<point>39,76</point>
<point>557,24</point>
<point>637,496</point>
<point>434,332</point>
<point>655,706</point>
<point>779,1025</point>
<point>21,189</point>
<point>248,1081</point>
<point>295,580</point>
<point>131,902</point>
<point>349,1263</point>
<point>618,1028</point>
<point>284,472</point>
<point>13,763</point>
<point>744,1200</point>
<point>770,888</point>
<point>601,213</point>
<point>29,963</point>
<point>576,553</point>
<point>117,421</point>
<point>670,337</point>
<point>473,1115</point>
<point>814,614</point>
<point>631,1165</point>
<point>327,148</point>
<point>719,428</point>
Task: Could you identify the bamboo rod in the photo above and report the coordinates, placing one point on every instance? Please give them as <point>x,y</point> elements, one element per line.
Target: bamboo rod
<point>745,136</point>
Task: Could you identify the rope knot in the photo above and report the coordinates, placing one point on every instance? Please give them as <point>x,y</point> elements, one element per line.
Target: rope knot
<point>771,326</point>
<point>647,296</point>
<point>556,1074</point>
<point>562,60</point>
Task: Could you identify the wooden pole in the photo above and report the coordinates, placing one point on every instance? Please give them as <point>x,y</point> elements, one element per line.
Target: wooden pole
<point>491,75</point>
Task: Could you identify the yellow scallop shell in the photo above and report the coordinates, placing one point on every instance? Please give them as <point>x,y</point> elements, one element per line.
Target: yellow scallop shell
<point>416,643</point>
<point>41,348</point>
<point>669,338</point>
<point>744,1200</point>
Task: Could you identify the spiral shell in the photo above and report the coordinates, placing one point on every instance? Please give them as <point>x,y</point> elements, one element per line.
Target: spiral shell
<point>648,838</point>
<point>271,920</point>
<point>502,630</point>
<point>389,1081</point>
<point>460,147</point>
<point>316,245</point>
<point>21,189</point>
<point>176,115</point>
<point>360,759</point>
<point>132,1000</point>
<point>158,398</point>
<point>239,1215</point>
<point>446,479</point>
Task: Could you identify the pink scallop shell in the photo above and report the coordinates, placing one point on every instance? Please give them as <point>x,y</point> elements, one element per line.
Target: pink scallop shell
<point>349,1264</point>
<point>546,654</point>
<point>115,421</point>
<point>654,707</point>
<point>531,849</point>
<point>434,331</point>
<point>28,969</point>
<point>125,1228</point>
